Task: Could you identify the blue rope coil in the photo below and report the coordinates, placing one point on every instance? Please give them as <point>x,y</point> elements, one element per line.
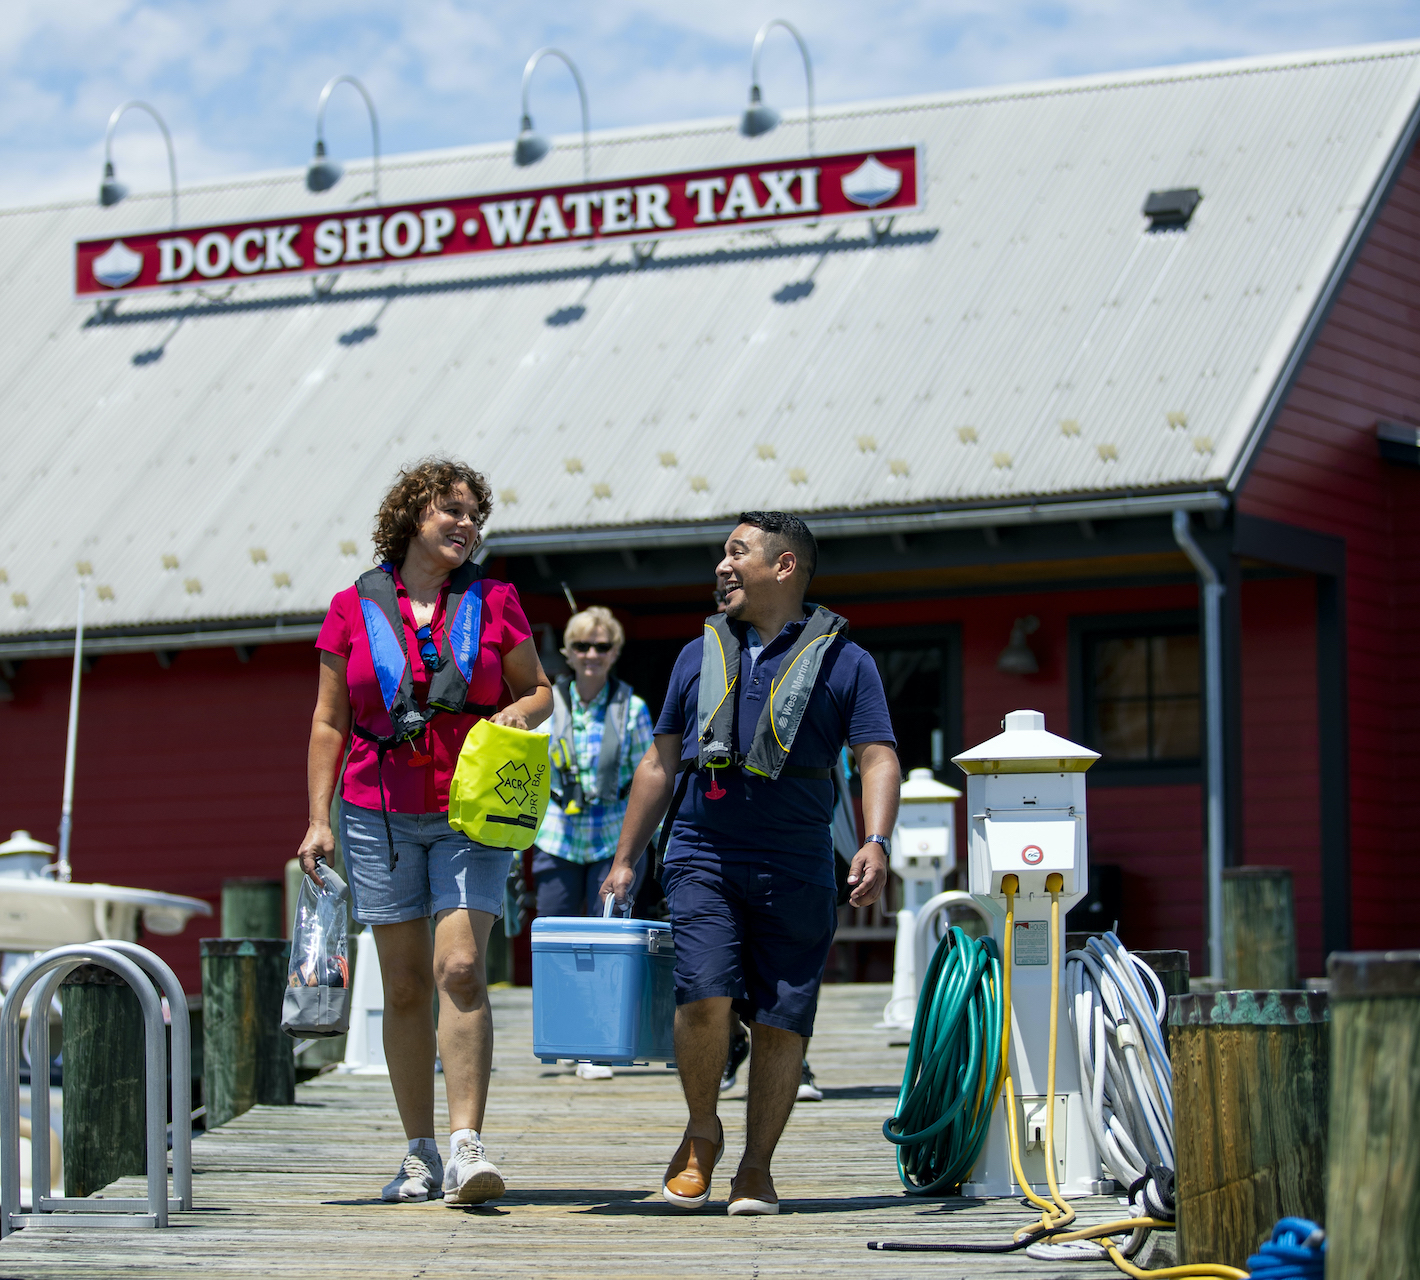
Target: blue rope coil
<point>1297,1251</point>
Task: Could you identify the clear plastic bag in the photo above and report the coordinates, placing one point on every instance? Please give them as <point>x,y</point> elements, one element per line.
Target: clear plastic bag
<point>317,998</point>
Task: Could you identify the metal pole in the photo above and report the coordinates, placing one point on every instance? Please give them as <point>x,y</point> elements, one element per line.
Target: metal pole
<point>374,123</point>
<point>581,94</point>
<point>66,814</point>
<point>808,68</point>
<point>167,138</point>
<point>1211,589</point>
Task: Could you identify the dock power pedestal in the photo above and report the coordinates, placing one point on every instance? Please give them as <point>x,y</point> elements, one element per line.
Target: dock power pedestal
<point>1026,810</point>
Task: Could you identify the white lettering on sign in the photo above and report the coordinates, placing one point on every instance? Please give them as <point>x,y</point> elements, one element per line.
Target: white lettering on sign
<point>175,259</point>
<point>705,190</point>
<point>651,211</point>
<point>740,203</point>
<point>279,253</point>
<point>330,243</point>
<point>214,254</point>
<point>437,225</point>
<point>548,224</point>
<point>616,210</point>
<point>251,238</point>
<point>651,206</point>
<point>362,239</point>
<point>401,235</point>
<point>579,204</point>
<point>507,220</point>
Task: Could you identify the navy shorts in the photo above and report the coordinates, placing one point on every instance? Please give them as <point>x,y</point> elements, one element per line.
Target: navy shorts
<point>759,936</point>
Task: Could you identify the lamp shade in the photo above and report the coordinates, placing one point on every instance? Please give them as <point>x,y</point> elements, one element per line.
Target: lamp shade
<point>531,146</point>
<point>111,190</point>
<point>322,173</point>
<point>759,116</point>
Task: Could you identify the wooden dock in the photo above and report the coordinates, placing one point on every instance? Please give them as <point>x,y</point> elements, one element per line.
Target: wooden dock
<point>293,1191</point>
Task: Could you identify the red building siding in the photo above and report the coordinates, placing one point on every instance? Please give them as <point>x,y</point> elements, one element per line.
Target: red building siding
<point>1320,469</point>
<point>184,777</point>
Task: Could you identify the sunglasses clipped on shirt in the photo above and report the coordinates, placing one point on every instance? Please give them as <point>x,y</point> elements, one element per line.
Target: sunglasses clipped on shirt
<point>428,650</point>
<point>586,646</point>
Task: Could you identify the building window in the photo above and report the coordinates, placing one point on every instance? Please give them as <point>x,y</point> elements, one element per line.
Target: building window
<point>1140,696</point>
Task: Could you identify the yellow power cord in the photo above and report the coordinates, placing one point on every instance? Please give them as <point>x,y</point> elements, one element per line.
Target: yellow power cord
<point>1055,1212</point>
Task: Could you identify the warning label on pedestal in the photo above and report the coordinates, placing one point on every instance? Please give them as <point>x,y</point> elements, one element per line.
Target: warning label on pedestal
<point>1031,945</point>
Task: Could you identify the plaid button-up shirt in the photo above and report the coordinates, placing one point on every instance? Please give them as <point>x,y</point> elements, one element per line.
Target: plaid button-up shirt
<point>591,835</point>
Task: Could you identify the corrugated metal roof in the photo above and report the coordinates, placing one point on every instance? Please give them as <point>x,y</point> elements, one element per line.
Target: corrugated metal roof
<point>221,456</point>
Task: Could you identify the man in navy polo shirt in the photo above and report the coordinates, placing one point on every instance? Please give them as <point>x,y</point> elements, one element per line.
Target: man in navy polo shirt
<point>749,872</point>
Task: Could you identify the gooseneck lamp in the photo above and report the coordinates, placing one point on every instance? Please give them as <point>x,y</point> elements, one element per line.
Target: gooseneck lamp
<point>323,173</point>
<point>531,146</point>
<point>759,116</point>
<point>111,190</point>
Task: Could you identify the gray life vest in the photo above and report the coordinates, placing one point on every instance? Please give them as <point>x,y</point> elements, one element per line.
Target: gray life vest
<point>783,711</point>
<point>572,797</point>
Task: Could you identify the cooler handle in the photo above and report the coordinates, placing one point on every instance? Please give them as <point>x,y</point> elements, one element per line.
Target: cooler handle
<point>610,901</point>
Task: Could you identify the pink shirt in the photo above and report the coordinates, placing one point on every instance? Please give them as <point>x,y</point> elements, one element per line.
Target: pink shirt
<point>411,788</point>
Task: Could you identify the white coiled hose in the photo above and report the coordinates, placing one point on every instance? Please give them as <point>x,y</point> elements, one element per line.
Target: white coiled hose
<point>1117,1009</point>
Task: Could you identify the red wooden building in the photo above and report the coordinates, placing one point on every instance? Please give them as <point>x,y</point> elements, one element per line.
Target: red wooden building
<point>991,409</point>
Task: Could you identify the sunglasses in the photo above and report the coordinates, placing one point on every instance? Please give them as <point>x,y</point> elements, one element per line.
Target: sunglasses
<point>428,650</point>
<point>586,646</point>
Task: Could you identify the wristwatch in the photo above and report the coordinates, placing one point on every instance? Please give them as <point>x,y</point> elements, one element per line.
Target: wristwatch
<point>885,841</point>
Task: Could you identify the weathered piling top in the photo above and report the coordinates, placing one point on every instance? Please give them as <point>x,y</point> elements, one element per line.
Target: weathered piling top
<point>293,1191</point>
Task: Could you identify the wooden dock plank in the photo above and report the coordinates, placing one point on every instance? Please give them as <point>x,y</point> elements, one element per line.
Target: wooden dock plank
<point>293,1191</point>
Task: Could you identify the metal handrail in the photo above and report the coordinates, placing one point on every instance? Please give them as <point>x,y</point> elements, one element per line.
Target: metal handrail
<point>49,970</point>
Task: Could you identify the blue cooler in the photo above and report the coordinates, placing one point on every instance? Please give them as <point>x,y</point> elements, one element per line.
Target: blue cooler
<point>603,990</point>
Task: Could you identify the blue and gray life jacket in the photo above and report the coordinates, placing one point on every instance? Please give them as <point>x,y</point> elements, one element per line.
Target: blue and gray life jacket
<point>571,795</point>
<point>717,708</point>
<point>448,686</point>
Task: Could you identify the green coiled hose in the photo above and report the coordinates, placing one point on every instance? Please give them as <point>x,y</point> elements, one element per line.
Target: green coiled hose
<point>953,1073</point>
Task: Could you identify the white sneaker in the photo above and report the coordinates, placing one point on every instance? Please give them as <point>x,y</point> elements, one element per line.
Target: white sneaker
<point>593,1071</point>
<point>418,1178</point>
<point>808,1086</point>
<point>471,1178</point>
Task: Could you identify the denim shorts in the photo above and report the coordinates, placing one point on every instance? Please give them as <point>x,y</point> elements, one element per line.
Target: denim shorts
<point>438,869</point>
<point>759,936</point>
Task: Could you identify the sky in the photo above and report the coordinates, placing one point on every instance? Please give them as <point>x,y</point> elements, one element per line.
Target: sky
<point>238,80</point>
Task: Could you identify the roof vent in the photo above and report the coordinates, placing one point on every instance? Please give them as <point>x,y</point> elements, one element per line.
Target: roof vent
<point>1171,210</point>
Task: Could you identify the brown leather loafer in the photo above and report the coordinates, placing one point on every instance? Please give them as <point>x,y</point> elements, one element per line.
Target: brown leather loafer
<point>752,1192</point>
<point>687,1181</point>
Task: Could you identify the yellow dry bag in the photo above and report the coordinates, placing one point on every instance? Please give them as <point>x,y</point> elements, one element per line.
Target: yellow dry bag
<point>499,791</point>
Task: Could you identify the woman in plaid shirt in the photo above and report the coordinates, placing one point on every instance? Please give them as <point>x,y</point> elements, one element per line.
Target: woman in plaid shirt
<point>591,771</point>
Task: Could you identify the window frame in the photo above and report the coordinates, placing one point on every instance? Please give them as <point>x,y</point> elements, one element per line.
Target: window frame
<point>947,637</point>
<point>1086,629</point>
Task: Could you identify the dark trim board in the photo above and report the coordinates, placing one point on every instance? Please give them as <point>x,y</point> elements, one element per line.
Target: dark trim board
<point>1334,762</point>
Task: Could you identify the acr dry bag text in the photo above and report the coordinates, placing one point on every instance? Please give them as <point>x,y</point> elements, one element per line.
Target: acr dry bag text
<point>498,794</point>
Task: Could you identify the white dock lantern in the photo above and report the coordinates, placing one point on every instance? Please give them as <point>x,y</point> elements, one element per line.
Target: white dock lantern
<point>1025,794</point>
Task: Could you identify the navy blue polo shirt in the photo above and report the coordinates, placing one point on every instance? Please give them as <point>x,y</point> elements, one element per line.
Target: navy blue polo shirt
<point>785,822</point>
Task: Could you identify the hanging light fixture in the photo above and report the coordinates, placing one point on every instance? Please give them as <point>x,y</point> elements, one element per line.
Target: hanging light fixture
<point>759,116</point>
<point>531,146</point>
<point>111,190</point>
<point>1018,658</point>
<point>323,173</point>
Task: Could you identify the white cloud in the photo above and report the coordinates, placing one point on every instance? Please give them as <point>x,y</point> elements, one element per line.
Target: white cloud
<point>237,80</point>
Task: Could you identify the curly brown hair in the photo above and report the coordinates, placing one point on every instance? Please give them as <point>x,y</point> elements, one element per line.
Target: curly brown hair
<point>409,497</point>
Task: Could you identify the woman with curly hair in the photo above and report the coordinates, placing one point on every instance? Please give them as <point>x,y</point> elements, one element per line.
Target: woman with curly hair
<point>425,622</point>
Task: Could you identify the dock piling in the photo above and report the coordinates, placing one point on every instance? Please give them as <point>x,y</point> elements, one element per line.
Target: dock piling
<point>1250,1080</point>
<point>1259,930</point>
<point>1373,1168</point>
<point>246,1058</point>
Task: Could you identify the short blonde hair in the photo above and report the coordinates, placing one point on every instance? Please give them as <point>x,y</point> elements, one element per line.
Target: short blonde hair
<point>581,625</point>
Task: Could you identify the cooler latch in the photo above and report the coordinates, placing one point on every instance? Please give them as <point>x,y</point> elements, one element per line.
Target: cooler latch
<point>658,940</point>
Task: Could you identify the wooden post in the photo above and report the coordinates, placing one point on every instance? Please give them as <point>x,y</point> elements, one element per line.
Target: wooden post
<point>246,1057</point>
<point>104,1109</point>
<point>498,964</point>
<point>1373,1171</point>
<point>1250,1085</point>
<point>253,909</point>
<point>1172,969</point>
<point>1259,930</point>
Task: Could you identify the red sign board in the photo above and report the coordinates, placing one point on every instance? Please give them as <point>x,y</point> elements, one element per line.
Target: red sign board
<point>651,207</point>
